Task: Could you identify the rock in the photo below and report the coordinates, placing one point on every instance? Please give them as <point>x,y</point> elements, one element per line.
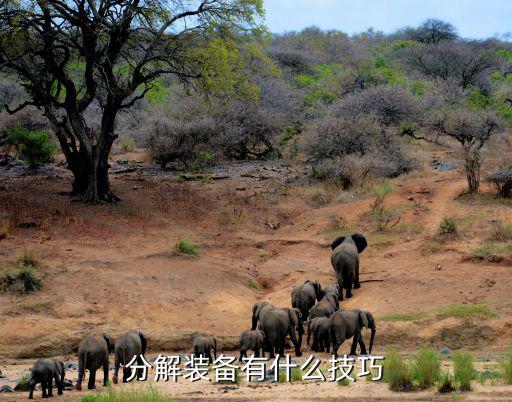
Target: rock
<point>71,366</point>
<point>445,351</point>
<point>28,224</point>
<point>229,388</point>
<point>6,389</point>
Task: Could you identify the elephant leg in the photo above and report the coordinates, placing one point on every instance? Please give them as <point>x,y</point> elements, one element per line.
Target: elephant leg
<point>321,348</point>
<point>257,352</point>
<point>281,347</point>
<point>44,386</point>
<point>105,373</point>
<point>335,346</point>
<point>31,388</point>
<point>59,383</point>
<point>262,351</point>
<point>92,379</point>
<point>50,387</point>
<point>355,341</point>
<point>241,356</point>
<point>326,344</point>
<point>348,288</point>
<point>127,372</point>
<point>357,285</point>
<point>314,347</point>
<point>268,347</point>
<point>362,346</point>
<point>81,373</point>
<point>117,364</point>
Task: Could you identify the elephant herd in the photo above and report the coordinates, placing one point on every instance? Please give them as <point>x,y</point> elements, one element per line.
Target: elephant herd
<point>318,307</point>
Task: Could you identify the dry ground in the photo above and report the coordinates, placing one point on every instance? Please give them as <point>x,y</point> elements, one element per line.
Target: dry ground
<point>259,232</point>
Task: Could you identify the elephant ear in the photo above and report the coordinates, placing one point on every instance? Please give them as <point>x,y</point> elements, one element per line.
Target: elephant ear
<point>337,241</point>
<point>143,342</point>
<point>364,319</point>
<point>109,345</point>
<point>318,289</point>
<point>360,242</point>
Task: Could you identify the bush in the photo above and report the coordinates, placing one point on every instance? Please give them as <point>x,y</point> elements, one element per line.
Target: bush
<point>184,246</point>
<point>506,369</point>
<point>463,371</point>
<point>34,147</point>
<point>23,279</point>
<point>502,181</point>
<point>447,226</point>
<point>135,395</point>
<point>502,231</point>
<point>445,383</point>
<point>427,368</point>
<point>397,372</point>
<point>127,144</point>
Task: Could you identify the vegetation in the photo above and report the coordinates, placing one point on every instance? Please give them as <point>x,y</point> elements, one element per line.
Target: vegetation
<point>127,144</point>
<point>445,383</point>
<point>133,395</point>
<point>463,370</point>
<point>506,369</point>
<point>447,226</point>
<point>21,279</point>
<point>397,372</point>
<point>34,147</point>
<point>183,246</point>
<point>427,368</point>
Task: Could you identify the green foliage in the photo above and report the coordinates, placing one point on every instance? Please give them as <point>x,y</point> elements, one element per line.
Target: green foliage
<point>184,246</point>
<point>345,382</point>
<point>478,100</point>
<point>427,368</point>
<point>34,147</point>
<point>253,284</point>
<point>397,372</point>
<point>466,310</point>
<point>22,279</point>
<point>506,369</point>
<point>127,144</point>
<point>445,383</point>
<point>463,370</point>
<point>202,162</point>
<point>447,226</point>
<point>502,231</point>
<point>418,88</point>
<point>134,395</point>
<point>157,95</point>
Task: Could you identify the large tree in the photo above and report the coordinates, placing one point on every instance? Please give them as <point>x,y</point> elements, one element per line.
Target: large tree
<point>78,56</point>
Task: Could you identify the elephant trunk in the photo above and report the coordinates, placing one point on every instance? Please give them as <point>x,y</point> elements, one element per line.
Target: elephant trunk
<point>371,340</point>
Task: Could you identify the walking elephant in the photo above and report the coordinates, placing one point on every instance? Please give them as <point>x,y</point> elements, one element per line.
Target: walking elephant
<point>128,345</point>
<point>252,340</point>
<point>44,371</point>
<point>258,310</point>
<point>277,323</point>
<point>93,353</point>
<point>305,296</point>
<point>203,346</point>
<point>329,303</point>
<point>319,328</point>
<point>345,261</point>
<point>347,324</point>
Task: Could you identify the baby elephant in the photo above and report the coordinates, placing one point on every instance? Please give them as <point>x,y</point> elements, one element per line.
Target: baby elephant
<point>45,371</point>
<point>319,328</point>
<point>251,340</point>
<point>203,346</point>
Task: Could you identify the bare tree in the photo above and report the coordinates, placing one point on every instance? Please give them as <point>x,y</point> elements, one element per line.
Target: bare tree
<point>433,31</point>
<point>71,54</point>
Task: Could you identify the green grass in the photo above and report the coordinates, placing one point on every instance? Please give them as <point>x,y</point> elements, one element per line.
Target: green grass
<point>295,375</point>
<point>127,144</point>
<point>184,246</point>
<point>463,311</point>
<point>506,369</point>
<point>23,278</point>
<point>427,368</point>
<point>489,250</point>
<point>502,231</point>
<point>135,395</point>
<point>445,383</point>
<point>344,383</point>
<point>447,226</point>
<point>430,246</point>
<point>463,369</point>
<point>253,284</point>
<point>397,372</point>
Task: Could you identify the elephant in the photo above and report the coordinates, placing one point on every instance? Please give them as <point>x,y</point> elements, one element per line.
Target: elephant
<point>128,345</point>
<point>319,328</point>
<point>252,340</point>
<point>277,323</point>
<point>345,261</point>
<point>347,324</point>
<point>258,310</point>
<point>305,296</point>
<point>203,346</point>
<point>93,353</point>
<point>44,371</point>
<point>328,305</point>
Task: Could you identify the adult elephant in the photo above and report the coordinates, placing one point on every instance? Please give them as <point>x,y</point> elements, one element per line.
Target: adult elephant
<point>129,344</point>
<point>93,353</point>
<point>347,324</point>
<point>277,323</point>
<point>258,310</point>
<point>329,303</point>
<point>345,261</point>
<point>305,296</point>
<point>318,328</point>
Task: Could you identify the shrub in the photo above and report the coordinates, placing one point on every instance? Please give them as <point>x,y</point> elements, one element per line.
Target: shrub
<point>506,369</point>
<point>34,147</point>
<point>133,395</point>
<point>397,372</point>
<point>127,144</point>
<point>184,246</point>
<point>447,226</point>
<point>445,383</point>
<point>502,231</point>
<point>463,370</point>
<point>427,368</point>
<point>502,181</point>
<point>385,217</point>
<point>22,279</point>
<point>253,284</point>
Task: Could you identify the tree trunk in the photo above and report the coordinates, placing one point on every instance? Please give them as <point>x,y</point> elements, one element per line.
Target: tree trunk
<point>98,183</point>
<point>473,173</point>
